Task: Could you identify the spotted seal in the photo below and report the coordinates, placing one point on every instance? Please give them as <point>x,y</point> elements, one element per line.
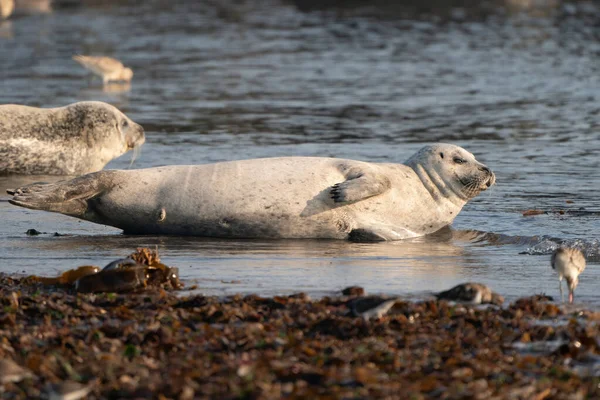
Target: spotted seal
<point>77,139</point>
<point>289,197</point>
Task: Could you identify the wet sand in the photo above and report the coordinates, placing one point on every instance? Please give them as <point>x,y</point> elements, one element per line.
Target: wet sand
<point>158,344</point>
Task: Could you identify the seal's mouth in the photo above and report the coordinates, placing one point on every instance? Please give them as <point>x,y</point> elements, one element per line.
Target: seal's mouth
<point>137,139</point>
<point>132,144</point>
<point>491,180</point>
<point>135,142</point>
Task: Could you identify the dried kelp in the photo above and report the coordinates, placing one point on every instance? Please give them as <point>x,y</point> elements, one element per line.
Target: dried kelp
<point>154,344</point>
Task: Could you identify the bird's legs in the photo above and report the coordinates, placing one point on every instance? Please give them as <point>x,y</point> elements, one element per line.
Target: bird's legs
<point>571,296</point>
<point>562,298</point>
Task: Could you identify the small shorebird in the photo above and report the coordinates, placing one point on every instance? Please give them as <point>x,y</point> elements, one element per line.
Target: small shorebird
<point>370,306</point>
<point>569,263</point>
<point>68,390</point>
<point>470,292</point>
<point>110,69</point>
<point>12,372</point>
<point>6,8</point>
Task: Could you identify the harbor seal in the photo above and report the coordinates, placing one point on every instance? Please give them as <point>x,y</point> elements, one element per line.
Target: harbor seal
<point>77,139</point>
<point>289,197</point>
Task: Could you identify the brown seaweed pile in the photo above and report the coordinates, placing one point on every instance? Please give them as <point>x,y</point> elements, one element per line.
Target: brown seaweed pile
<point>139,271</point>
<point>157,345</point>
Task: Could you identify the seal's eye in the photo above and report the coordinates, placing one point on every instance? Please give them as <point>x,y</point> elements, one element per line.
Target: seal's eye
<point>124,124</point>
<point>459,160</point>
<point>442,155</point>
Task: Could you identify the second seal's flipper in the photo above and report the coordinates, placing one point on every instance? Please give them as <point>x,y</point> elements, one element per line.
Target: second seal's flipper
<point>67,197</point>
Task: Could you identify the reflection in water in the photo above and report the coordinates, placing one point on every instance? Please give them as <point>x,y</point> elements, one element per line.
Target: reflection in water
<point>444,10</point>
<point>117,87</point>
<point>33,6</point>
<point>535,8</point>
<point>6,30</point>
<point>290,263</point>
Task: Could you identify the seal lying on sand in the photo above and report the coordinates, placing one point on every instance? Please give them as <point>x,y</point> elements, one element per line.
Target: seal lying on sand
<point>72,140</point>
<point>290,197</point>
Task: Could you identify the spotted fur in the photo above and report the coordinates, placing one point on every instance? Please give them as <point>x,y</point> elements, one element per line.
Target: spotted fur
<point>77,139</point>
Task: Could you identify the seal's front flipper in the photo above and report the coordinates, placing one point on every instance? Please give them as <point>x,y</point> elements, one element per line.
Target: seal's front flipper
<point>359,187</point>
<point>68,197</point>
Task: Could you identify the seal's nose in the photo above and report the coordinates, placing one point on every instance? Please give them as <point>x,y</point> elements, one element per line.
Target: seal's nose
<point>486,169</point>
<point>492,179</point>
<point>138,138</point>
<point>142,134</point>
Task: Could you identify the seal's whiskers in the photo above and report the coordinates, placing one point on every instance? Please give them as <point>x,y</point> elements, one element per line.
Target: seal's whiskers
<point>137,150</point>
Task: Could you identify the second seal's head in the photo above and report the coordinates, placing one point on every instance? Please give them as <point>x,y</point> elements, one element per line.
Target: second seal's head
<point>106,130</point>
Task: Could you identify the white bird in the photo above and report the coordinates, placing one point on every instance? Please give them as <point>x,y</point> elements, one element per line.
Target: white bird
<point>569,263</point>
<point>110,69</point>
<point>6,8</point>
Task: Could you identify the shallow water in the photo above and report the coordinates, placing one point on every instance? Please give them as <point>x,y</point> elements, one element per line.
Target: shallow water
<point>517,87</point>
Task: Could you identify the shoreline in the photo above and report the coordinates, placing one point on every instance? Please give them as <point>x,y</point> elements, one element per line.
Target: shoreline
<point>159,343</point>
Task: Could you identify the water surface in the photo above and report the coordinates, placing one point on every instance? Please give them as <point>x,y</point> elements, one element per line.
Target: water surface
<point>518,87</point>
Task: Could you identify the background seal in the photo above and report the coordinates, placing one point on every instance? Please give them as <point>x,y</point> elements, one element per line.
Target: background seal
<point>77,139</point>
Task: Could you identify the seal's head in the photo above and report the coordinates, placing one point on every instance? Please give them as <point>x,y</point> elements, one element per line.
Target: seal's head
<point>106,131</point>
<point>451,171</point>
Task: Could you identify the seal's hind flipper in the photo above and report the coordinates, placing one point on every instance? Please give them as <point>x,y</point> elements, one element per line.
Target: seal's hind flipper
<point>68,197</point>
<point>49,197</point>
<point>13,191</point>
